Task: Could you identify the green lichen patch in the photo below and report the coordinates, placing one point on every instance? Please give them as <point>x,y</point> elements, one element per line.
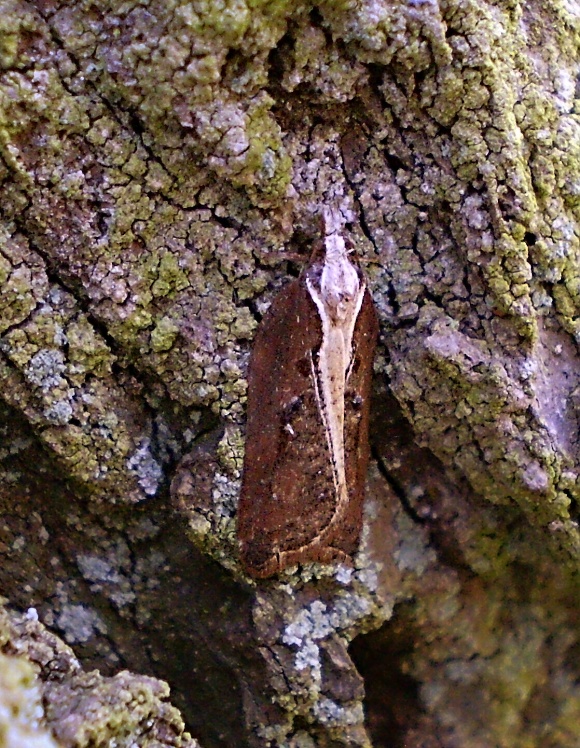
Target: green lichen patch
<point>57,370</point>
<point>21,712</point>
<point>46,700</point>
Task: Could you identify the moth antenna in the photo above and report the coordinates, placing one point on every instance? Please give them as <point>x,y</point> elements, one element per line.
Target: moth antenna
<point>349,245</point>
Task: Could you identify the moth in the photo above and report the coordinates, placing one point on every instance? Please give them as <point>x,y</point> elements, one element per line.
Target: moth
<point>308,413</point>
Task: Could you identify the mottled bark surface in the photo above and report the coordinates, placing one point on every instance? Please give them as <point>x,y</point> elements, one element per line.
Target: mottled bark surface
<point>159,163</point>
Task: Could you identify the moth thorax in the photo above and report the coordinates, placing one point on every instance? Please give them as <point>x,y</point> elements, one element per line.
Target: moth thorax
<point>339,286</point>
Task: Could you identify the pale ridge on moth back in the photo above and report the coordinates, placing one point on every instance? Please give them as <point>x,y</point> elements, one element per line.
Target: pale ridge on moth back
<point>338,300</point>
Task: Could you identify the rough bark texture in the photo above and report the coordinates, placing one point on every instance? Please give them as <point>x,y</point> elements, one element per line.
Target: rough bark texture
<point>159,160</point>
<point>47,700</point>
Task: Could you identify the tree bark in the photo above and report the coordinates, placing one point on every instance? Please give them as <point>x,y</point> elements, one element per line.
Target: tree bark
<point>159,164</point>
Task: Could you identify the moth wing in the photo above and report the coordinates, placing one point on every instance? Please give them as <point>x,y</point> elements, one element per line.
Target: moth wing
<point>287,492</point>
<point>347,527</point>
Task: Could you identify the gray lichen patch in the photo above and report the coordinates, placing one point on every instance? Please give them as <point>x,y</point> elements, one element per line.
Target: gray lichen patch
<point>57,370</point>
<point>111,570</point>
<point>45,369</point>
<point>146,468</point>
<point>79,624</point>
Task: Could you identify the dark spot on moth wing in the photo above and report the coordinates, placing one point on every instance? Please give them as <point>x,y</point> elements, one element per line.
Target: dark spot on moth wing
<point>355,365</point>
<point>289,420</point>
<point>304,367</point>
<point>356,400</point>
<point>292,408</point>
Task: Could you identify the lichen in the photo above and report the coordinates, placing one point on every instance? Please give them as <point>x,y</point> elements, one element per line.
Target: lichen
<point>21,712</point>
<point>146,467</point>
<point>79,624</point>
<point>46,700</point>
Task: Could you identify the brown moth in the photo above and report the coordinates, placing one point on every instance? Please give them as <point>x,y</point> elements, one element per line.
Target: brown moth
<point>308,412</point>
